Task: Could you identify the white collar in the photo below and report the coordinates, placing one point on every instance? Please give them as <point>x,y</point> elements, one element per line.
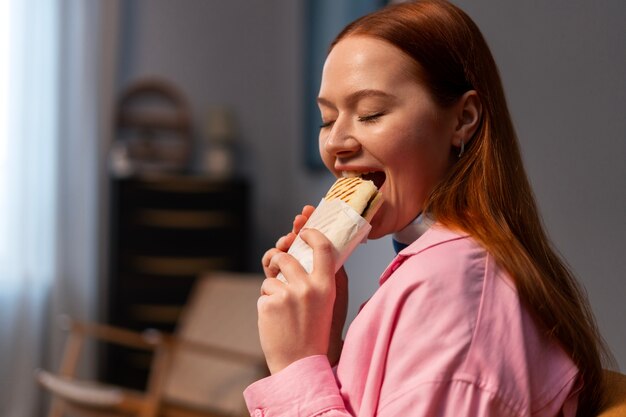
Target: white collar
<point>414,230</point>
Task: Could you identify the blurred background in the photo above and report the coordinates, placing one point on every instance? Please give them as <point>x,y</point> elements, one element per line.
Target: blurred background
<point>145,142</point>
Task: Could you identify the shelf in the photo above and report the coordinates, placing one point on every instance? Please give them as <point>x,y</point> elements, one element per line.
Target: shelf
<point>179,266</point>
<point>166,230</point>
<point>185,219</point>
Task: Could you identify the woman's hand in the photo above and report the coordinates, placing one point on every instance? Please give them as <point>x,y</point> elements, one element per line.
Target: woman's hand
<point>295,318</point>
<point>339,310</point>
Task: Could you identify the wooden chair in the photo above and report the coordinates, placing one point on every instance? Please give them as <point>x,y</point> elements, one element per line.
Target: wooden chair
<point>200,371</point>
<point>615,396</point>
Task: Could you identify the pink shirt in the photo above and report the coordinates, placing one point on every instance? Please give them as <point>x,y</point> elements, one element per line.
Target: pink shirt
<point>444,335</point>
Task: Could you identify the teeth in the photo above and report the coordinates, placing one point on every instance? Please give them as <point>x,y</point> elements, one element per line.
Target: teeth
<point>351,174</point>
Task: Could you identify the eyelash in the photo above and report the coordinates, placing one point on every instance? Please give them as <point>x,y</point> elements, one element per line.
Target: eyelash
<point>370,118</point>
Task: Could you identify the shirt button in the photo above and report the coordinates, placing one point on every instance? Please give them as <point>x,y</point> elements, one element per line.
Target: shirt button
<point>258,413</point>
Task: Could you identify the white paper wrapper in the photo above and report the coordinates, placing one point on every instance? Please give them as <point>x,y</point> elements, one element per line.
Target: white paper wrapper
<point>343,226</point>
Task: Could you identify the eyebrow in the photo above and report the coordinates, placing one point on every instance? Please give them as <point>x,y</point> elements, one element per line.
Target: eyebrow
<point>358,95</point>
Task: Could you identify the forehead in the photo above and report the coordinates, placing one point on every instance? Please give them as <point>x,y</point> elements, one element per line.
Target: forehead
<point>367,62</point>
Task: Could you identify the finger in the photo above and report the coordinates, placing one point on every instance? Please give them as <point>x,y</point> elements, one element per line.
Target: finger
<point>308,210</point>
<point>267,257</point>
<point>301,219</point>
<point>285,242</point>
<point>271,286</point>
<point>288,265</point>
<point>298,223</point>
<point>324,253</point>
<point>265,262</point>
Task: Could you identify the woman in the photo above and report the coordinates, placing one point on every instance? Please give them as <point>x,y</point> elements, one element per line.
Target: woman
<point>477,315</point>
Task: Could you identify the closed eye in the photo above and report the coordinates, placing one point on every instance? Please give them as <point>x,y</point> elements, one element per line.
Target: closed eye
<point>326,124</point>
<point>371,118</point>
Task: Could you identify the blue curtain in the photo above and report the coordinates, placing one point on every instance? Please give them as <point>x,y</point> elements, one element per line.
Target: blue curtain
<point>28,192</point>
<point>325,19</point>
<point>56,81</point>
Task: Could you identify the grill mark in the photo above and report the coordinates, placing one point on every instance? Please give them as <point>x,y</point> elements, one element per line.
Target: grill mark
<point>343,189</point>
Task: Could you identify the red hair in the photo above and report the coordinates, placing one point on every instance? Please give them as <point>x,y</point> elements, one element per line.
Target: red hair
<point>486,192</point>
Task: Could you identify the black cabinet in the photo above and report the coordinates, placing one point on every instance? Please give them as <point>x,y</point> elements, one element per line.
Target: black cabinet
<point>165,232</point>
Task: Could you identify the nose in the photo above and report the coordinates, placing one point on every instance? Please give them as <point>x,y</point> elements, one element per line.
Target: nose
<point>340,141</point>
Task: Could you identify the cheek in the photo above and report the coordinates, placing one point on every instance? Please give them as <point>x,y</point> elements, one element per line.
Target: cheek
<point>419,160</point>
<point>429,143</point>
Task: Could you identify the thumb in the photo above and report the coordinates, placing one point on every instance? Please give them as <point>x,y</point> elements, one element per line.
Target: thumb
<point>324,253</point>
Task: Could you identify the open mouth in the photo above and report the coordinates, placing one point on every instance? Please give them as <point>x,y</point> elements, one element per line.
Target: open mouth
<point>377,177</point>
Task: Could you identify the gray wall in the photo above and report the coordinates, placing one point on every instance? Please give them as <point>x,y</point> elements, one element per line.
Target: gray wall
<point>562,63</point>
<point>240,54</point>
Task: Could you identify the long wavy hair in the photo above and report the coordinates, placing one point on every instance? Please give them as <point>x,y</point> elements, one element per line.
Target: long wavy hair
<point>486,193</point>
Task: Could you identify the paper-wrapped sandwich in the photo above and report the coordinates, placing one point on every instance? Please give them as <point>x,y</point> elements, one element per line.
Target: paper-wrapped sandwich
<point>361,195</point>
<point>343,216</point>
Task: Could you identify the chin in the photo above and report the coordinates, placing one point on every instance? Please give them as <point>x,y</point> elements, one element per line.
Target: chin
<point>378,229</point>
<point>374,236</point>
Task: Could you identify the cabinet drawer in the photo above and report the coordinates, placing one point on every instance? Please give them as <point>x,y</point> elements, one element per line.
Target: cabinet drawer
<point>165,232</point>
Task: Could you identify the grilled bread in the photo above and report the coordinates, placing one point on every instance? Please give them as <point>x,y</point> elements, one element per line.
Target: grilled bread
<point>362,195</point>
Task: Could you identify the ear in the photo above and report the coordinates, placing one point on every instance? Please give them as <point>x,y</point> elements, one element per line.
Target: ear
<point>468,112</point>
